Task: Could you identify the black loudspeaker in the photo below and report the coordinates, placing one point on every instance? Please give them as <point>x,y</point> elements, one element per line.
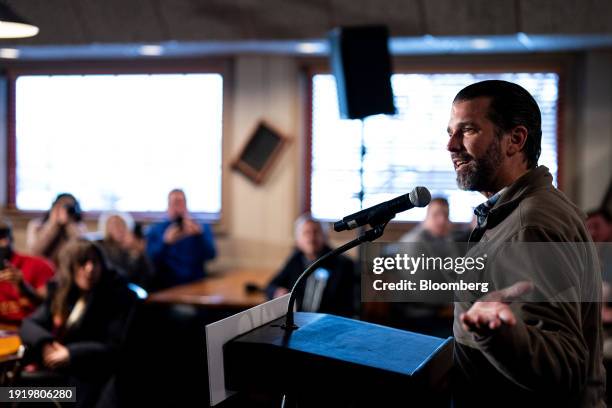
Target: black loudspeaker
<point>361,63</point>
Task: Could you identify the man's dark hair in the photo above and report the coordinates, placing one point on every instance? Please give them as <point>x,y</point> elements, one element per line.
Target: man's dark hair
<point>601,212</point>
<point>440,200</point>
<point>177,190</point>
<point>6,229</point>
<point>511,106</point>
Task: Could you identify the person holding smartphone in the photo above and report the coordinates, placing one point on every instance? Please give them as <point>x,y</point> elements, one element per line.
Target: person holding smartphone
<point>180,245</point>
<point>23,279</point>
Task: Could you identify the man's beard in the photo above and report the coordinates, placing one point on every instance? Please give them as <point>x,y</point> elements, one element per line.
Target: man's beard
<point>477,174</point>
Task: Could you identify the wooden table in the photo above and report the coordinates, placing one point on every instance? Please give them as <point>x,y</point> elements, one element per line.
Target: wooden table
<point>224,290</point>
<point>10,344</point>
<point>11,352</point>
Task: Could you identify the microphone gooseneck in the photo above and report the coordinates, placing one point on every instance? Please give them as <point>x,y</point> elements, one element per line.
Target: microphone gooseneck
<point>377,217</point>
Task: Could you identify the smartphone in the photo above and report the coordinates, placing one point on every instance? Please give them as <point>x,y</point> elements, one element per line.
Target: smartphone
<point>179,221</point>
<point>4,254</point>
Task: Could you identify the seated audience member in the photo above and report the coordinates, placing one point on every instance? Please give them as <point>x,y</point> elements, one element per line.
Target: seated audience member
<point>599,224</point>
<point>436,227</point>
<point>330,289</point>
<point>77,331</point>
<point>23,279</point>
<point>47,236</point>
<point>179,246</point>
<point>124,250</point>
<point>463,234</point>
<point>432,238</point>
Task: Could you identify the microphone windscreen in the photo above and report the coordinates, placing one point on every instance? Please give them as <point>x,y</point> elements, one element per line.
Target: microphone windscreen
<point>420,196</point>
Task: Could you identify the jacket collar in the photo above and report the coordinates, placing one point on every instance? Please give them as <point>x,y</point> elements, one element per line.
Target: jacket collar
<point>512,195</point>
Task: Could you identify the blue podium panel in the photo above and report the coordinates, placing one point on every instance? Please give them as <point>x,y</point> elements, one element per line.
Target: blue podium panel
<point>352,362</point>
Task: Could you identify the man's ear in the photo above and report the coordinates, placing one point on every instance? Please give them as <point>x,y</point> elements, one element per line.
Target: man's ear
<point>517,140</point>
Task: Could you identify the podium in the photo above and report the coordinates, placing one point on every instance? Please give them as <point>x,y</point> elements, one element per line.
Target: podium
<point>331,359</point>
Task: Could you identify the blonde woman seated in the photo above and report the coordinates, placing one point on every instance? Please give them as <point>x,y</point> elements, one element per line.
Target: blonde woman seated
<point>125,249</point>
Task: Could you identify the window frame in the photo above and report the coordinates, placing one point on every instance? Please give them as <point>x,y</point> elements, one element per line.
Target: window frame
<point>210,65</point>
<point>556,63</point>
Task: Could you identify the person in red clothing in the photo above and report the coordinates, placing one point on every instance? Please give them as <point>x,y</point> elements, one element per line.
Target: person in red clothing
<point>23,279</point>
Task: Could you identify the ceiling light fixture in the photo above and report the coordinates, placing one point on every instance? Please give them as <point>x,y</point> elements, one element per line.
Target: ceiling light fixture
<point>14,26</point>
<point>310,47</point>
<point>481,43</point>
<point>151,50</point>
<point>9,53</point>
<point>524,40</point>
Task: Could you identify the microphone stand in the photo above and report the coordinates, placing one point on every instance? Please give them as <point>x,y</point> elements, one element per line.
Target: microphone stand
<point>368,236</point>
<point>289,326</point>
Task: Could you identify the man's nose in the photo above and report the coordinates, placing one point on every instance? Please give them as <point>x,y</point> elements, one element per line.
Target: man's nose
<point>454,143</point>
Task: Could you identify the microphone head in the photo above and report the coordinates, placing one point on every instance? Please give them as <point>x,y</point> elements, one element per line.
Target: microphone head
<point>340,226</point>
<point>420,196</point>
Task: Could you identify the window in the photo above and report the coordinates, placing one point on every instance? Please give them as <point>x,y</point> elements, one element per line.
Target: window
<point>408,149</point>
<point>119,142</point>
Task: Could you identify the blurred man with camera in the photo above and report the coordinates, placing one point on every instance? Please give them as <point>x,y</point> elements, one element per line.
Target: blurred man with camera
<point>47,236</point>
<point>23,279</point>
<point>180,245</point>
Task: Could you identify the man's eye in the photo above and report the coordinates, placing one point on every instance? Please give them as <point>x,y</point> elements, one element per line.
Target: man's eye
<point>469,130</point>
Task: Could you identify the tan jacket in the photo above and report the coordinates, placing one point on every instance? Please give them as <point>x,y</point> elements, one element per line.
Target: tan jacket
<point>553,356</point>
<point>46,239</point>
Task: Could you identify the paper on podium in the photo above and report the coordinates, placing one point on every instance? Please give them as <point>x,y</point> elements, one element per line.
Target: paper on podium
<point>219,333</point>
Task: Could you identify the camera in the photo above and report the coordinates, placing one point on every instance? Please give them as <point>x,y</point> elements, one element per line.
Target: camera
<point>73,212</point>
<point>137,231</point>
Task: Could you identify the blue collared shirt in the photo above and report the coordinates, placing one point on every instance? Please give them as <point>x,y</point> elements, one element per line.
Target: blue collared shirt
<point>482,211</point>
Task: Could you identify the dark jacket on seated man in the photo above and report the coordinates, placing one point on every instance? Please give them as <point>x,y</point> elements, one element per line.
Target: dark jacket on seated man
<point>88,324</point>
<point>336,291</point>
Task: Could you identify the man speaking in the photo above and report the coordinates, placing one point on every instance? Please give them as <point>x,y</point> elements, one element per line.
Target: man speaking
<point>520,353</point>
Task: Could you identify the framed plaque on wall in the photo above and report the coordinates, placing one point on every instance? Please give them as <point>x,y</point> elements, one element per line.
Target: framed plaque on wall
<point>259,152</point>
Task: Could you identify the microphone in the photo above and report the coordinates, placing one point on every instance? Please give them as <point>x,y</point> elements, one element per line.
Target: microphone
<point>377,217</point>
<point>383,212</point>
